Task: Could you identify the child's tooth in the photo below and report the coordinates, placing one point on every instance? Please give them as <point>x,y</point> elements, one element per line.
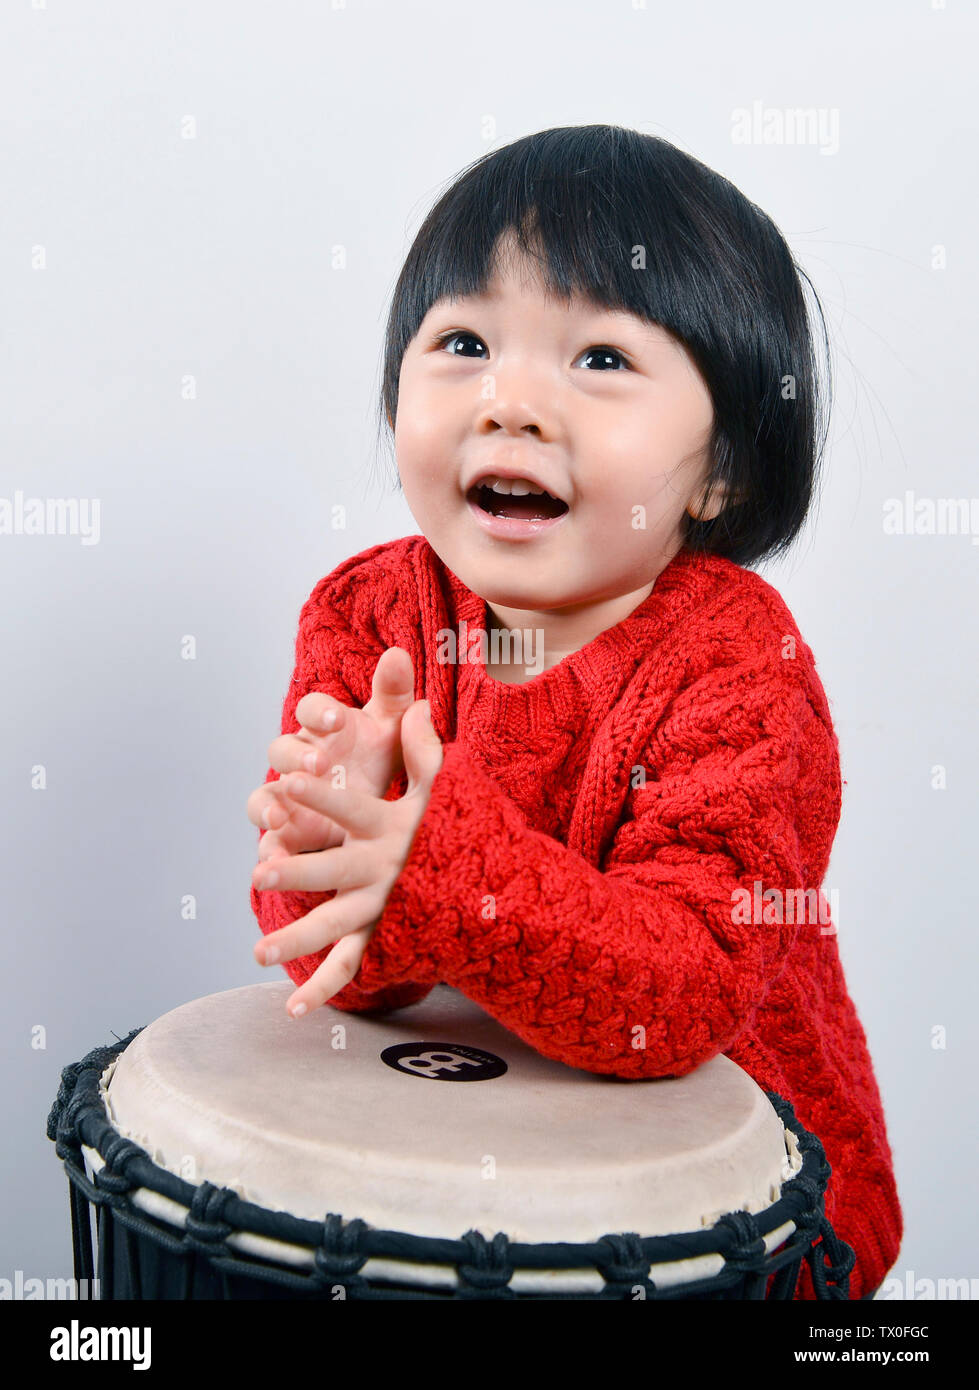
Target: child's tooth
<point>516,487</point>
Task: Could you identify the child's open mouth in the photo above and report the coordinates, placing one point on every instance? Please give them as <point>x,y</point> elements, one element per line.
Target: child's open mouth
<point>529,506</point>
<point>514,516</point>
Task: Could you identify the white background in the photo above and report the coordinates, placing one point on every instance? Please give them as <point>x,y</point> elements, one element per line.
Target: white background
<point>167,258</point>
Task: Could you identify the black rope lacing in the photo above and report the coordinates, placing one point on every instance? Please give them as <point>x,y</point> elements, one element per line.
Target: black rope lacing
<point>339,1250</point>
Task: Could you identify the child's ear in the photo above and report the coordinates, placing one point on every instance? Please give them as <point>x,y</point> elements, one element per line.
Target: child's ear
<point>704,508</point>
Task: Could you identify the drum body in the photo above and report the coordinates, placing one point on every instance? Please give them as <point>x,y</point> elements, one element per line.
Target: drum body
<point>227,1151</point>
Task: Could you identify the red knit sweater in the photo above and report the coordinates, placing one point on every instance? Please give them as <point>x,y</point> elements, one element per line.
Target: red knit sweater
<point>614,806</point>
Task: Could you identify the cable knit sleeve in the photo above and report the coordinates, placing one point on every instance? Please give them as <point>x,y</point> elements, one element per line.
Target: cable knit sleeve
<point>650,964</point>
<point>333,659</point>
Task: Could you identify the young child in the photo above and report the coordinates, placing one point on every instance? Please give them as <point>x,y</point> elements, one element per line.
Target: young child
<point>602,385</point>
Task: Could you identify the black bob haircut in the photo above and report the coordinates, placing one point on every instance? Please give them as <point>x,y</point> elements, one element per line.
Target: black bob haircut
<point>628,221</point>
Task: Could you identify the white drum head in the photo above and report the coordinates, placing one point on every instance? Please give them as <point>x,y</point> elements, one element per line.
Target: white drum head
<point>319,1115</point>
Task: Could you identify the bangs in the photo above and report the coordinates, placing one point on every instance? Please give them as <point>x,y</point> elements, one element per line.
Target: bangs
<point>577,204</point>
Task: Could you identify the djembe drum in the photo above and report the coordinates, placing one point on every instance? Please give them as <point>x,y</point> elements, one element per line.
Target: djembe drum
<point>227,1151</point>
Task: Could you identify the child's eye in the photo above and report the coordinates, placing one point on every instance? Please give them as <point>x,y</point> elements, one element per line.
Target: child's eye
<point>445,338</point>
<point>602,353</point>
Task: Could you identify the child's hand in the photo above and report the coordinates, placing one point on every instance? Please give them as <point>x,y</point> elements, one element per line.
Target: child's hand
<point>379,835</point>
<point>366,743</point>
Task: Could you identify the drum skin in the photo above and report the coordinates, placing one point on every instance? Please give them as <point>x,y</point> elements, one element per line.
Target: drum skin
<point>305,1117</point>
<point>433,1121</point>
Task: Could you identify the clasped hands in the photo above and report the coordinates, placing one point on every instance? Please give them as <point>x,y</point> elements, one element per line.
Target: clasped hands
<point>329,826</point>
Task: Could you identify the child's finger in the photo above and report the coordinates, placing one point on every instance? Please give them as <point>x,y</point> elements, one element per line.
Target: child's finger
<point>304,831</point>
<point>320,714</point>
<point>298,753</point>
<point>270,847</point>
<point>270,806</point>
<point>392,685</point>
<point>339,870</point>
<point>339,968</point>
<point>260,804</point>
<point>355,811</point>
<point>350,911</point>
<point>422,748</point>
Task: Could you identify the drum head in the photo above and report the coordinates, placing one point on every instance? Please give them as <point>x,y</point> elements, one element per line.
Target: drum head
<point>434,1119</point>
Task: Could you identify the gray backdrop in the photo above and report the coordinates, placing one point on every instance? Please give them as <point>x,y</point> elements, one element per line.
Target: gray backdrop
<point>180,347</point>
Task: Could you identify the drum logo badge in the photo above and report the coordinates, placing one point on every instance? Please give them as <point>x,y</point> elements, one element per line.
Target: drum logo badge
<point>439,1061</point>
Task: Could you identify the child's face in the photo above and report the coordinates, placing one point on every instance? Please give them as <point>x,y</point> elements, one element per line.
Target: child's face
<point>616,438</point>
